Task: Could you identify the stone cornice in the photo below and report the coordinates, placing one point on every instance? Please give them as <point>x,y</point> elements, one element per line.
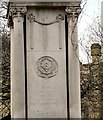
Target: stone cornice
<point>46,4</point>
<point>18,9</point>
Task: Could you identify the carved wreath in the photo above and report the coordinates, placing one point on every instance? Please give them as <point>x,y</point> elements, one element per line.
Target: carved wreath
<point>46,67</point>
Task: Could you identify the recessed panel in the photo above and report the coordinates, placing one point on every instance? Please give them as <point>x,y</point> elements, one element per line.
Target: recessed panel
<point>46,64</point>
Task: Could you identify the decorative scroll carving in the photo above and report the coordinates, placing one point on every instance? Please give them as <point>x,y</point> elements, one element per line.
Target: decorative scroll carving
<point>73,12</point>
<point>31,17</point>
<point>46,67</point>
<point>17,11</point>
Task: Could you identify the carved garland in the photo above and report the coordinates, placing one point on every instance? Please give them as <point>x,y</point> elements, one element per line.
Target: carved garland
<point>59,19</point>
<point>32,18</point>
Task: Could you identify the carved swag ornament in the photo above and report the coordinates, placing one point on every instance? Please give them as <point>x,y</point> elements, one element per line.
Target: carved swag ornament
<point>59,18</point>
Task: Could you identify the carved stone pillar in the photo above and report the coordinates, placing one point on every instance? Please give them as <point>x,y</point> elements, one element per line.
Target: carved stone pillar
<point>45,58</point>
<point>17,63</point>
<point>73,57</point>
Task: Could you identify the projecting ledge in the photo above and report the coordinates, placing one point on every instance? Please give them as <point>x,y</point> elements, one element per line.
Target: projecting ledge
<point>46,2</point>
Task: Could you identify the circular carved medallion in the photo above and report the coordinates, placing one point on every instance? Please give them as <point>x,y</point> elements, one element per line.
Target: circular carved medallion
<point>46,67</point>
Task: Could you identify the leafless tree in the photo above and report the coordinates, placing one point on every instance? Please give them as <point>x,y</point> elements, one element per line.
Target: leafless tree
<point>4,62</point>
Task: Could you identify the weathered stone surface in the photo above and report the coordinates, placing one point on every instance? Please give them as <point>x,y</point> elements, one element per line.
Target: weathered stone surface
<point>17,70</point>
<point>51,80</point>
<point>47,88</point>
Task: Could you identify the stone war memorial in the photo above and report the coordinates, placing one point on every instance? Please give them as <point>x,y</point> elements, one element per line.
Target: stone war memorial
<point>45,74</point>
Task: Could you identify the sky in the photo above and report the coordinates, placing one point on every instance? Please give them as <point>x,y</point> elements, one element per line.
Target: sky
<point>91,10</point>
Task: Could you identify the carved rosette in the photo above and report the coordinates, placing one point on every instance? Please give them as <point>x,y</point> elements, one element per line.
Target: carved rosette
<point>46,67</point>
<point>73,12</point>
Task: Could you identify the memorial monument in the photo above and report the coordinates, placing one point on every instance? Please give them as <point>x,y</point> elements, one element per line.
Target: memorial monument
<point>45,80</point>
